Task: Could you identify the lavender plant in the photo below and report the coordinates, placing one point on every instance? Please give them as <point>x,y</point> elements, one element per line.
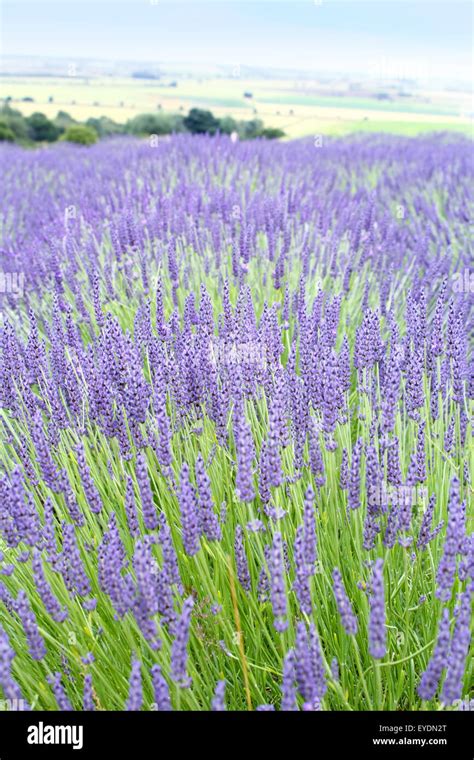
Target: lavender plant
<point>236,403</point>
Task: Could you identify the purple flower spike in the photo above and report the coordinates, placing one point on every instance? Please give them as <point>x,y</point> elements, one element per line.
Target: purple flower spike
<point>241,560</point>
<point>458,651</point>
<point>131,509</point>
<point>135,694</point>
<point>288,688</point>
<point>10,688</point>
<point>353,497</point>
<point>431,677</point>
<point>150,517</point>
<point>88,695</point>
<point>277,581</point>
<point>348,619</point>
<point>310,539</point>
<point>179,655</point>
<point>161,690</point>
<point>53,607</point>
<point>377,629</point>
<point>90,489</point>
<point>302,573</point>
<point>245,455</point>
<point>35,640</point>
<point>218,701</point>
<point>189,514</point>
<point>59,692</point>
<point>209,520</point>
<point>454,543</point>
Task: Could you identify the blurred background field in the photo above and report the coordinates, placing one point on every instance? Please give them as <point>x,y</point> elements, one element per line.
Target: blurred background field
<point>305,67</point>
<point>300,106</point>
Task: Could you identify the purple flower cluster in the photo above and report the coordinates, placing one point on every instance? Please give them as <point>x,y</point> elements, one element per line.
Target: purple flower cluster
<point>9,687</point>
<point>277,584</point>
<point>348,619</point>
<point>377,624</point>
<point>161,690</point>
<point>135,694</point>
<point>244,324</point>
<point>431,677</point>
<point>179,654</point>
<point>241,560</point>
<point>189,513</point>
<point>458,651</point>
<point>454,543</point>
<point>309,666</point>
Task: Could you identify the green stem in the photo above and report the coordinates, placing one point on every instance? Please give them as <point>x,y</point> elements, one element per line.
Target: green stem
<point>361,673</point>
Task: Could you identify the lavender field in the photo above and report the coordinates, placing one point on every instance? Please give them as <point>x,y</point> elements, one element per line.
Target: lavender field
<point>236,407</point>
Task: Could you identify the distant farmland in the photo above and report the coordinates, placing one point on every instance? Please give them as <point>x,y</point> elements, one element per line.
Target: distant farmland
<point>298,108</point>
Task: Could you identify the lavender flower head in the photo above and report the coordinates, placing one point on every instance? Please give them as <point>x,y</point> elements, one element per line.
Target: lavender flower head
<point>377,629</point>
<point>161,690</point>
<point>179,655</point>
<point>431,677</point>
<point>277,585</point>
<point>135,694</point>
<point>288,688</point>
<point>10,688</point>
<point>218,701</point>
<point>348,619</point>
<point>189,515</point>
<point>243,573</point>
<point>458,651</point>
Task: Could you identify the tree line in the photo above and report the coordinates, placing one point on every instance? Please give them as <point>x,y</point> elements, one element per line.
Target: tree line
<point>37,128</point>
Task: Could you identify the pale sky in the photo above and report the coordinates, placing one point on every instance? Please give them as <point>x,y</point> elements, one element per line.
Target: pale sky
<point>430,38</point>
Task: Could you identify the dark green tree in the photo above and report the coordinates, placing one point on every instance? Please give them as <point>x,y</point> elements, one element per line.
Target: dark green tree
<point>272,133</point>
<point>41,129</point>
<point>200,122</point>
